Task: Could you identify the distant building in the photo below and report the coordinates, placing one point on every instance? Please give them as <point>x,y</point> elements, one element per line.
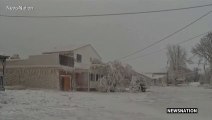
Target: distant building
<point>145,79</point>
<point>158,78</point>
<point>180,76</point>
<point>65,69</point>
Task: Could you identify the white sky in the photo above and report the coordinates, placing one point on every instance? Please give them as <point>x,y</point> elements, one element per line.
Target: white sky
<point>112,36</point>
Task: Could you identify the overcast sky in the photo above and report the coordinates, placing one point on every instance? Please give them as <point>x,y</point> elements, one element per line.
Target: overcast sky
<point>112,36</point>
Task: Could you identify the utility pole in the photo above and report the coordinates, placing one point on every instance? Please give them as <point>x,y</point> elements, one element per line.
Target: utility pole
<point>88,80</point>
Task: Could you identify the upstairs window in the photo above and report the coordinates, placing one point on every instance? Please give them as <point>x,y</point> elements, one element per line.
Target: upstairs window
<point>79,58</point>
<point>66,60</point>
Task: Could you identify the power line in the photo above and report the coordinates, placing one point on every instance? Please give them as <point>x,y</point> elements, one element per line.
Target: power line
<point>187,40</point>
<point>114,14</point>
<point>170,35</point>
<point>145,55</point>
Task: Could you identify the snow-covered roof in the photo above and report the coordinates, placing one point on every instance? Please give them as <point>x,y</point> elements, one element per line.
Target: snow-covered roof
<point>70,48</point>
<point>155,76</point>
<point>42,66</point>
<point>142,74</point>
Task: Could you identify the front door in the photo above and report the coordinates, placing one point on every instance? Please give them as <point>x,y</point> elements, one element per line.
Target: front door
<point>66,82</point>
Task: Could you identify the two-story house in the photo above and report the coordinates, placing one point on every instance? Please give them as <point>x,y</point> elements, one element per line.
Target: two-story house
<point>65,69</point>
<point>82,77</point>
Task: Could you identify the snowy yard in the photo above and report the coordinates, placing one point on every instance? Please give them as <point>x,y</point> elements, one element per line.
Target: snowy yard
<point>57,105</point>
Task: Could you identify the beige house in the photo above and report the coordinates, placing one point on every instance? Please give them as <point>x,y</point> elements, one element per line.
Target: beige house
<point>65,69</point>
<point>83,78</point>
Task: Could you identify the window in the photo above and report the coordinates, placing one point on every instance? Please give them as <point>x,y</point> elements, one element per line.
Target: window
<point>79,58</point>
<point>66,61</point>
<point>92,77</point>
<point>1,81</point>
<point>102,76</point>
<point>97,77</point>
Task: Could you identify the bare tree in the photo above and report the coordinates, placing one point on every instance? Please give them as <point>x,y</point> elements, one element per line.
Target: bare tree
<point>196,74</point>
<point>177,60</point>
<point>204,51</point>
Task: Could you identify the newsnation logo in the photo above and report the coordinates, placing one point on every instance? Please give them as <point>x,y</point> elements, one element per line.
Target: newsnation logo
<point>182,110</point>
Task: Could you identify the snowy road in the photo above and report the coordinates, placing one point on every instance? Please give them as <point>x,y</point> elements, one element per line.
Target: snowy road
<point>56,105</point>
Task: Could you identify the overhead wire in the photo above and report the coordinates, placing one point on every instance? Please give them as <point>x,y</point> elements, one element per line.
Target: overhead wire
<point>187,40</point>
<point>168,36</point>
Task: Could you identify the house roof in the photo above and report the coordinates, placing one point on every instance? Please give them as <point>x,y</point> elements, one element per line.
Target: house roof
<point>142,74</point>
<point>70,48</point>
<point>155,76</point>
<point>41,66</point>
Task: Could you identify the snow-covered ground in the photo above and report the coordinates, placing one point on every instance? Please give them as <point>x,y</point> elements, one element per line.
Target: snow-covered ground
<point>57,105</point>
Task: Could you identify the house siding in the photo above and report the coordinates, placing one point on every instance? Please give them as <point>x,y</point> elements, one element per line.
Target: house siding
<point>87,53</point>
<point>47,78</point>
